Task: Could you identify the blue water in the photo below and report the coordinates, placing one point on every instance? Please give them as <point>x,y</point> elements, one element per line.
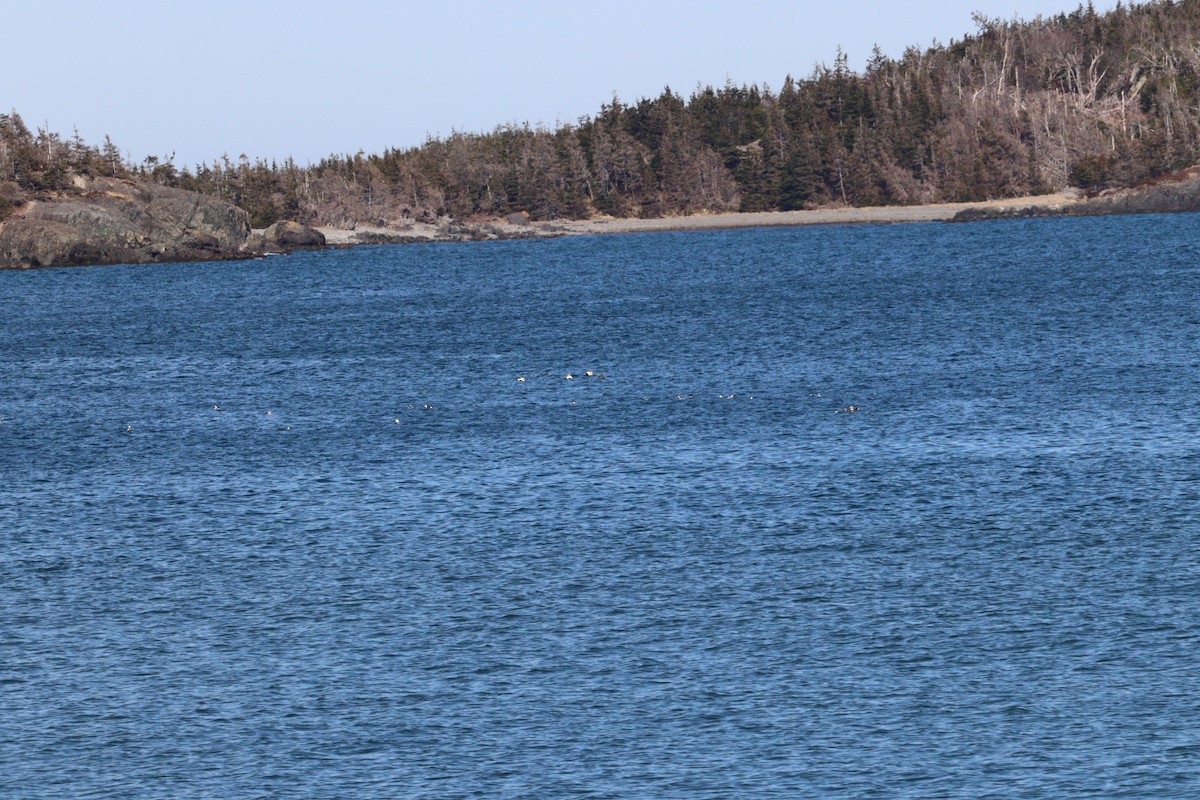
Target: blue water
<point>294,528</point>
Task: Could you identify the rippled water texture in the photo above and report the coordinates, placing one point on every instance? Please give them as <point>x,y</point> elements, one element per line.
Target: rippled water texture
<point>295,528</point>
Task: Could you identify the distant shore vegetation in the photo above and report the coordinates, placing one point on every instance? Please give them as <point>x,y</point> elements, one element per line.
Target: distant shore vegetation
<point>1021,107</point>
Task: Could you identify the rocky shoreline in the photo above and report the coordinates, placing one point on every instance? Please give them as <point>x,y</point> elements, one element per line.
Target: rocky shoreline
<point>448,230</point>
<point>106,221</point>
<point>444,230</point>
<point>111,221</point>
<point>114,221</point>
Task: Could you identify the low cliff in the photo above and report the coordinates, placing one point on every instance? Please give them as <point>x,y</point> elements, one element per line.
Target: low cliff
<point>109,221</point>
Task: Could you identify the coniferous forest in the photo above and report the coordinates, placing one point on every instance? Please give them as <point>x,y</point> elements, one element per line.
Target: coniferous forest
<point>1018,108</point>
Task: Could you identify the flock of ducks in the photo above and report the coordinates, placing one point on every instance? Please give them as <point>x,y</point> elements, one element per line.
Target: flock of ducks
<point>570,376</point>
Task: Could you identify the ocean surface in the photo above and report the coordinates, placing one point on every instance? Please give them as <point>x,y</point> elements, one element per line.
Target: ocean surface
<point>898,511</point>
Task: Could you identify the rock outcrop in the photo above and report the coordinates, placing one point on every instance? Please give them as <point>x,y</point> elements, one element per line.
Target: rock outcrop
<point>115,221</point>
<point>287,234</point>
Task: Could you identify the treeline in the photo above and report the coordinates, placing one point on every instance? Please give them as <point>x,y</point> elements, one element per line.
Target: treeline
<point>1020,107</point>
<point>36,164</point>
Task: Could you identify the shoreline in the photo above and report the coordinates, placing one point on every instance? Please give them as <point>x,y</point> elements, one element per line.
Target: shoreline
<point>879,215</point>
<point>83,247</point>
<point>500,229</point>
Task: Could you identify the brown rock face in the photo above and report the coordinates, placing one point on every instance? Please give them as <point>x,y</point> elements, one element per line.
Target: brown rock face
<point>116,221</point>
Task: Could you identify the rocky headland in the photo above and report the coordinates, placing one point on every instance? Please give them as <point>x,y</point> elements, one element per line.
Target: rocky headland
<point>112,221</point>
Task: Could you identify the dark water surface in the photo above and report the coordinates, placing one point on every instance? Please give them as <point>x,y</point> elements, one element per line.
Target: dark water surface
<point>386,568</point>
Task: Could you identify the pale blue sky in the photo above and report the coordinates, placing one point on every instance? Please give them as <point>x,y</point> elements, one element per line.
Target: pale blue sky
<point>308,78</point>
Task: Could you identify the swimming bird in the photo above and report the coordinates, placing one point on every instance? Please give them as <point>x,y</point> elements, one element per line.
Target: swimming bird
<point>570,377</point>
<point>589,374</point>
<point>521,379</point>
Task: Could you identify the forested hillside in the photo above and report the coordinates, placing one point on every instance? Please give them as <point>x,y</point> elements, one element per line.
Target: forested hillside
<point>1020,107</point>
